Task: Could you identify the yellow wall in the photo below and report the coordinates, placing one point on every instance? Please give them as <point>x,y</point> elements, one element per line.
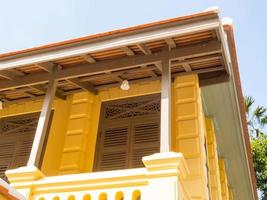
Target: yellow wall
<point>189,133</point>
<point>2,197</point>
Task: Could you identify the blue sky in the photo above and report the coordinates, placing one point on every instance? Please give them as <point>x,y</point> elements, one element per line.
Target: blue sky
<point>28,23</point>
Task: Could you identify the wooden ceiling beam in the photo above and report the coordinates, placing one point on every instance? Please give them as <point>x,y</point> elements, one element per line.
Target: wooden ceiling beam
<point>144,49</point>
<point>142,80</point>
<point>88,58</point>
<point>201,49</point>
<point>47,66</point>
<point>30,94</point>
<point>17,72</point>
<point>59,93</point>
<point>116,74</point>
<point>171,43</point>
<point>151,72</point>
<point>196,60</point>
<point>3,98</point>
<point>128,51</point>
<point>84,85</point>
<point>200,71</point>
<point>116,77</point>
<point>187,67</point>
<point>14,73</point>
<point>159,66</point>
<point>7,74</point>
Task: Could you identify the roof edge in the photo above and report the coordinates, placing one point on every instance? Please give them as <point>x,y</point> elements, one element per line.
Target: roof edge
<point>88,38</point>
<point>228,27</point>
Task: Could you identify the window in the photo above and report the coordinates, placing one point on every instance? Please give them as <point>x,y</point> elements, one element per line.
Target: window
<point>129,129</point>
<point>16,139</point>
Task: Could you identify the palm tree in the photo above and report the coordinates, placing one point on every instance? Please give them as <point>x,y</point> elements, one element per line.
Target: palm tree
<point>257,121</point>
<point>256,118</point>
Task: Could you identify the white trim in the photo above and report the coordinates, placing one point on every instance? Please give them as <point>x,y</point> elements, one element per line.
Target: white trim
<point>11,191</point>
<point>165,110</point>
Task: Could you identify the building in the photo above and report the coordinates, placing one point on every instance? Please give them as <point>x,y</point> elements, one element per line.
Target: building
<point>148,112</point>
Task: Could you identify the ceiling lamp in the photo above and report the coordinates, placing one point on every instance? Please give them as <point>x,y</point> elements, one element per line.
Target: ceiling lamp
<point>125,85</point>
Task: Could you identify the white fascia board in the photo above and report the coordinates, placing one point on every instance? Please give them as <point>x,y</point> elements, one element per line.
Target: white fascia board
<point>234,95</point>
<point>225,47</point>
<point>112,43</point>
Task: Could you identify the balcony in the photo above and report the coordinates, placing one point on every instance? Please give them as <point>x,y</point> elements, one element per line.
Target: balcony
<point>162,178</point>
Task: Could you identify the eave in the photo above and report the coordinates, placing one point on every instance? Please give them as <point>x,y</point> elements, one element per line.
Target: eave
<point>231,127</point>
<point>193,44</point>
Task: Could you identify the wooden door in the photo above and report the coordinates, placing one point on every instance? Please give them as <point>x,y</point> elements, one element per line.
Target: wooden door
<point>129,129</point>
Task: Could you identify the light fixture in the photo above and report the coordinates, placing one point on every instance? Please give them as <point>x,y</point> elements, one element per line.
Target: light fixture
<point>125,85</point>
<point>1,105</point>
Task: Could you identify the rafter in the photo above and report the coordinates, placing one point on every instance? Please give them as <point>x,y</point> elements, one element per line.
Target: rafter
<point>59,93</point>
<point>196,60</point>
<point>3,98</point>
<point>171,43</point>
<point>128,51</point>
<point>7,74</point>
<point>17,72</point>
<point>159,66</point>
<point>84,85</point>
<point>151,72</point>
<point>114,76</point>
<point>88,58</point>
<point>47,66</point>
<point>117,74</point>
<point>201,49</point>
<point>187,67</point>
<point>144,49</point>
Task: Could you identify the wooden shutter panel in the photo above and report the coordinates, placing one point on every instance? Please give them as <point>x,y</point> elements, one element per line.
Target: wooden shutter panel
<point>16,138</point>
<point>113,147</point>
<point>145,140</point>
<point>130,129</point>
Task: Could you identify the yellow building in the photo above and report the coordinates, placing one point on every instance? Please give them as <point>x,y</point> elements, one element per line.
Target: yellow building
<point>151,112</point>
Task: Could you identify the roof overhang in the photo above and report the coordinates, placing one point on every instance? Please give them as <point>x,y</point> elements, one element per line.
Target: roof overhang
<point>194,44</point>
<point>231,127</point>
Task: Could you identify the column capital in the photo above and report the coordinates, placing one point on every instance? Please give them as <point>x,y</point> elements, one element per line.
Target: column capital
<point>24,174</point>
<point>167,162</point>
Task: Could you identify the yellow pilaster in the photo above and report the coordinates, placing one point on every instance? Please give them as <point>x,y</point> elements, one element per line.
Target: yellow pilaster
<point>230,194</point>
<point>53,151</point>
<point>189,133</point>
<point>224,182</point>
<point>214,173</point>
<point>78,154</point>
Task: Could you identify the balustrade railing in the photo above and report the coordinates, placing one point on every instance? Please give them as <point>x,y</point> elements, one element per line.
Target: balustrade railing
<point>161,179</point>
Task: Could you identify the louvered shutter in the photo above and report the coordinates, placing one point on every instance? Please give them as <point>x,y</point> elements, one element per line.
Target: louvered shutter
<point>113,147</point>
<point>16,138</point>
<point>145,139</point>
<point>129,130</point>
